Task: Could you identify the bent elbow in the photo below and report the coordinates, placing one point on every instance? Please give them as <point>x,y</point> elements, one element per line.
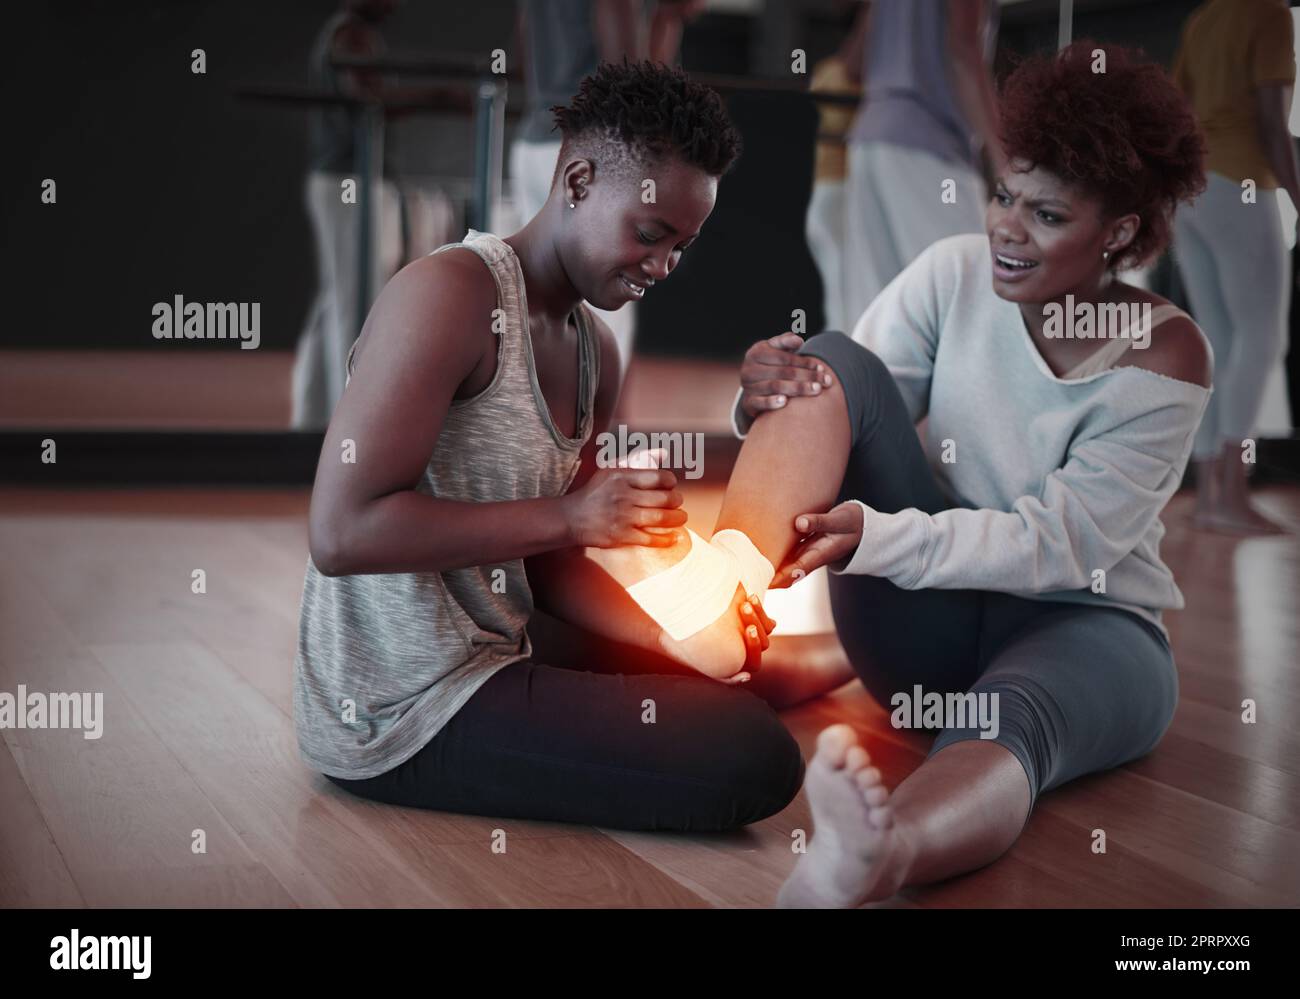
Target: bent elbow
<point>326,550</point>
<point>326,562</point>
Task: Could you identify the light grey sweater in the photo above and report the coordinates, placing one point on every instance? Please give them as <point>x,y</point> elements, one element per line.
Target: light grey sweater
<point>1054,479</point>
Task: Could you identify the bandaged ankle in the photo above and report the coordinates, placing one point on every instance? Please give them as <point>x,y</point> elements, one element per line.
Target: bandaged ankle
<point>691,595</point>
<point>756,571</point>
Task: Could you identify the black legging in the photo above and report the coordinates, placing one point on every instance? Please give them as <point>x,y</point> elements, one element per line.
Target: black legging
<point>1080,687</point>
<point>567,745</point>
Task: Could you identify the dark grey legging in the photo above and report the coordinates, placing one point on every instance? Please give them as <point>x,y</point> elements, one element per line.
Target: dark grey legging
<point>1081,688</point>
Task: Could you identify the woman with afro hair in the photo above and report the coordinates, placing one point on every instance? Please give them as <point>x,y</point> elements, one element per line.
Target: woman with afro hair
<point>999,581</point>
<point>459,481</point>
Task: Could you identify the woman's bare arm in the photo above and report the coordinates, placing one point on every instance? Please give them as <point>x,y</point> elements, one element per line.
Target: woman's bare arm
<point>428,333</point>
<point>1273,105</point>
<point>565,583</point>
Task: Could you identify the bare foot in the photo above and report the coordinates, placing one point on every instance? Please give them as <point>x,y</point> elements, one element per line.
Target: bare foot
<point>1225,507</point>
<point>719,650</point>
<point>1240,522</point>
<point>856,853</point>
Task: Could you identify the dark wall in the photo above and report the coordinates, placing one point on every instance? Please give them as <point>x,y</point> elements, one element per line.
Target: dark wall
<point>740,281</point>
<point>168,184</point>
<point>1153,25</point>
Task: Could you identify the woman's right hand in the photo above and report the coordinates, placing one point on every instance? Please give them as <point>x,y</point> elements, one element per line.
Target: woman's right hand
<point>772,372</point>
<point>827,538</point>
<point>625,506</point>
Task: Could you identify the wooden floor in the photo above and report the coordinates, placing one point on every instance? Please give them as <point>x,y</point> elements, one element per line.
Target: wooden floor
<point>95,596</point>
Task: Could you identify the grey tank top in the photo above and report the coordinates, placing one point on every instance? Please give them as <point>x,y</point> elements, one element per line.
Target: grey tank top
<point>385,660</point>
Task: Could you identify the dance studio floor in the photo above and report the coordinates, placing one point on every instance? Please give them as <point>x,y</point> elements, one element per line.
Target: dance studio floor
<point>95,596</point>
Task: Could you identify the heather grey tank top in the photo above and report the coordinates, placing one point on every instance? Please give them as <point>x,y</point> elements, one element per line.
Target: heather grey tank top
<point>384,661</point>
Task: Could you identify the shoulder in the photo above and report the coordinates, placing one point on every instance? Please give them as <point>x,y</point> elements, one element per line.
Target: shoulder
<point>944,260</point>
<point>963,246</point>
<point>1271,17</point>
<point>1178,350</point>
<point>456,281</point>
<point>946,274</point>
<point>951,267</point>
<point>829,74</point>
<point>436,308</point>
<point>955,255</point>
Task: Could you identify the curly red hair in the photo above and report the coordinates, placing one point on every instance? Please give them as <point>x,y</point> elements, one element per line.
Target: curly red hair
<point>1126,135</point>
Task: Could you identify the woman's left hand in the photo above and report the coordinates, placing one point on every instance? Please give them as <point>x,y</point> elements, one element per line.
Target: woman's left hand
<point>827,537</point>
<point>756,626</point>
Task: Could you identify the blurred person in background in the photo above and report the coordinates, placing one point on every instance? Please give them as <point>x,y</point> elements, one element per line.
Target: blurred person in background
<point>929,107</point>
<point>839,74</point>
<point>333,323</point>
<point>1236,64</point>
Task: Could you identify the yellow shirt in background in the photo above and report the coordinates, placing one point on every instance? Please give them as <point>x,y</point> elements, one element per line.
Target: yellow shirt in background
<point>830,76</point>
<point>1229,49</point>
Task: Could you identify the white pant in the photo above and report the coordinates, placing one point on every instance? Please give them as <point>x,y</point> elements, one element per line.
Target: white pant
<point>319,367</point>
<point>896,210</point>
<point>1235,266</point>
<point>532,165</point>
<point>824,230</point>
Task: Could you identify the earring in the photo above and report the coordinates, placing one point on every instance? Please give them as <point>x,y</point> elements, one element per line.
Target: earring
<point>572,205</point>
<point>1105,254</point>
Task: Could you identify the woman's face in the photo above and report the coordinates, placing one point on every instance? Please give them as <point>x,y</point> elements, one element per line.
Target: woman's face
<point>1046,238</point>
<point>622,244</point>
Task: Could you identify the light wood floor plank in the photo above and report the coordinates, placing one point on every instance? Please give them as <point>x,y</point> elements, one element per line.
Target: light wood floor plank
<point>32,871</point>
<point>359,853</point>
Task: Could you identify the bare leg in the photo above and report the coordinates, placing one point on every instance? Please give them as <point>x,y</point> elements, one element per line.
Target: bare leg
<point>960,810</point>
<point>1227,508</point>
<point>797,668</point>
<point>793,461</point>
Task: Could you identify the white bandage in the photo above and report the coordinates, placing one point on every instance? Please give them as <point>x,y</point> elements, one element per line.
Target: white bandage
<point>691,595</point>
<point>755,570</point>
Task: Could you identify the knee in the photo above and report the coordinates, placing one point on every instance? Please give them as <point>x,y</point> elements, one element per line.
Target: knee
<point>758,761</point>
<point>1160,709</point>
<point>845,354</point>
<point>1024,724</point>
<point>860,372</point>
